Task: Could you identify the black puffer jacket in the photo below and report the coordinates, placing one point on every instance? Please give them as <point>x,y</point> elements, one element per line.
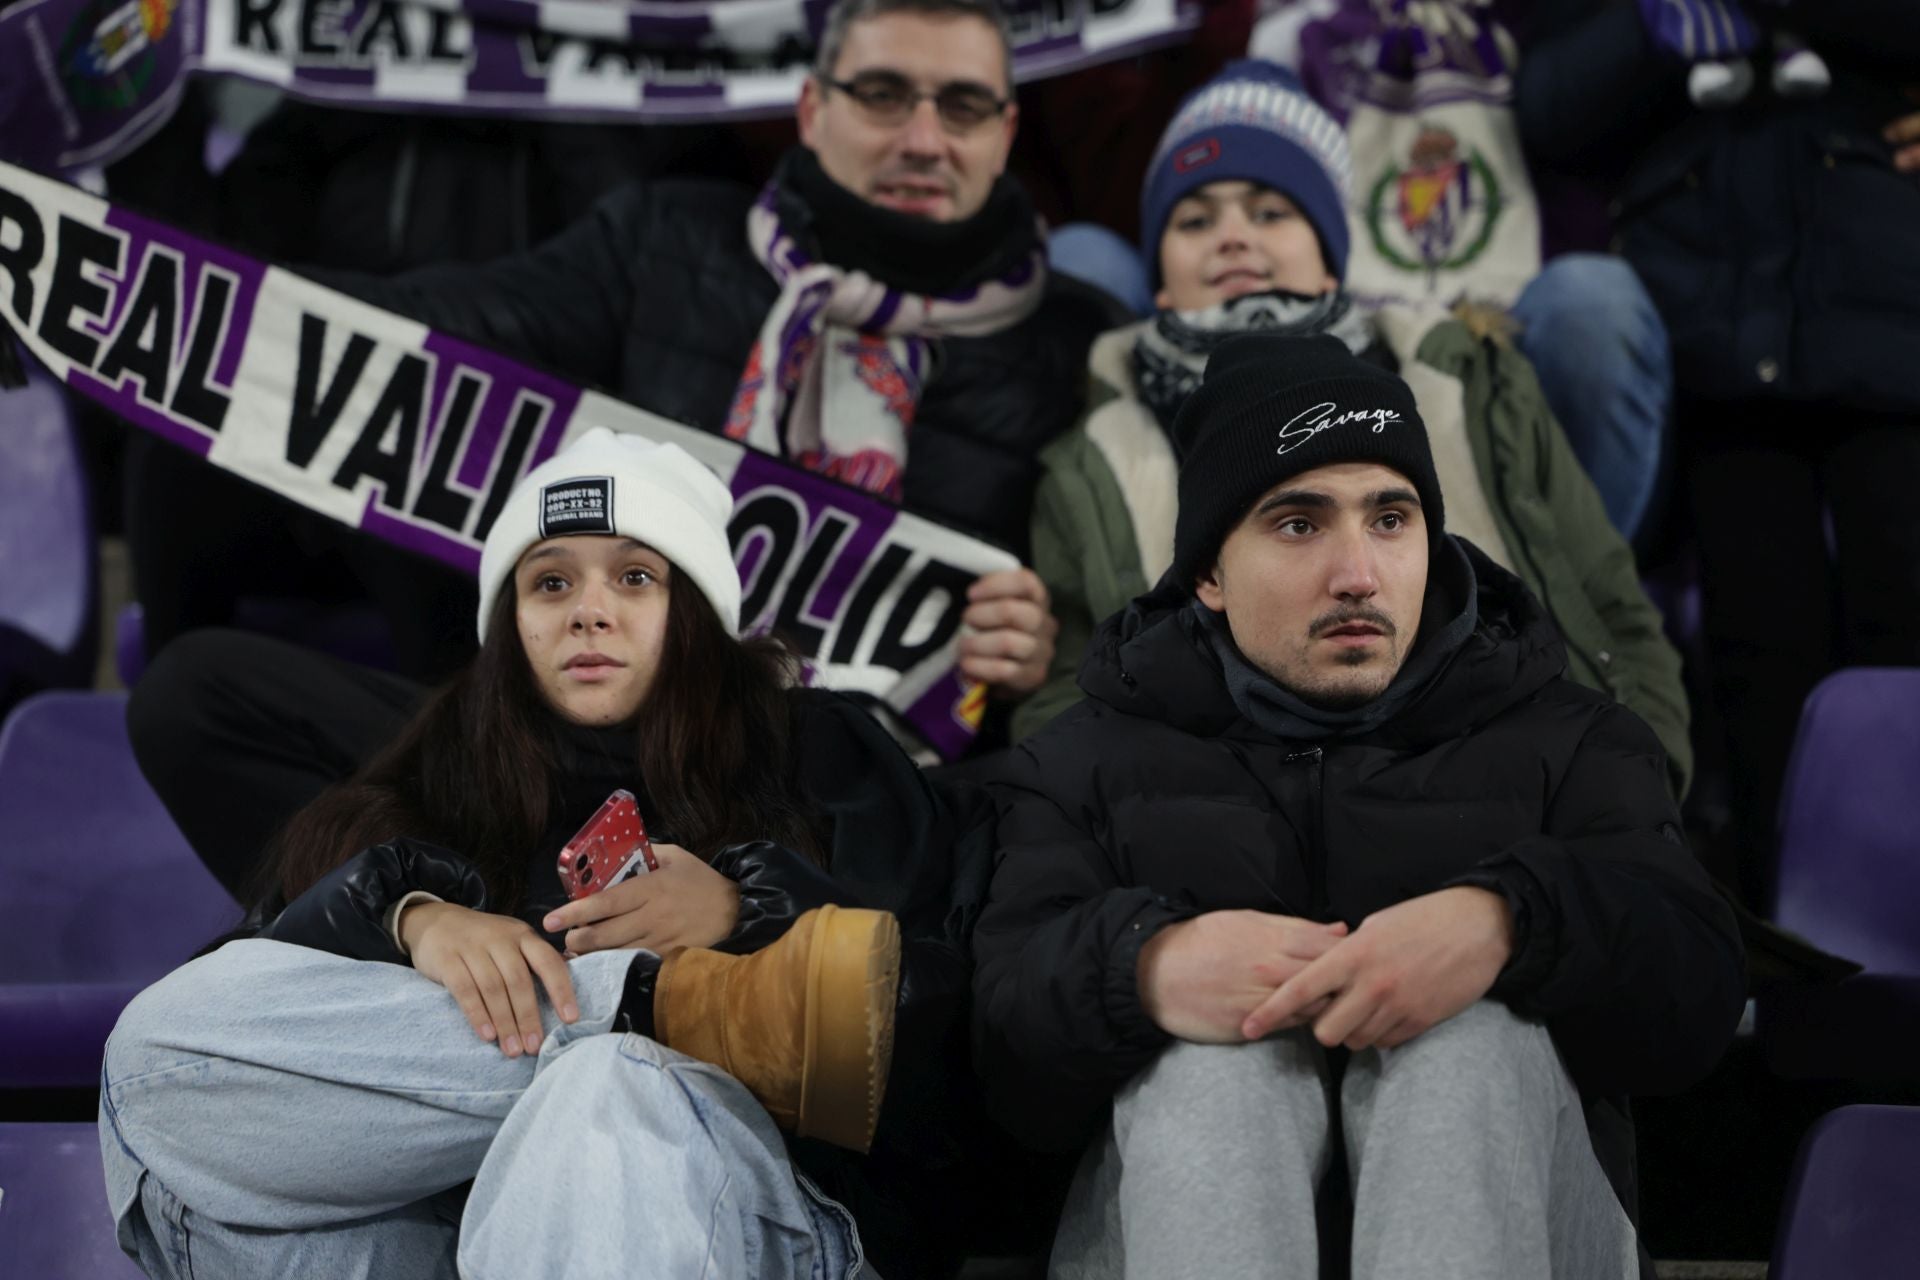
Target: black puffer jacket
<point>1155,801</point>
<point>656,296</point>
<point>894,846</point>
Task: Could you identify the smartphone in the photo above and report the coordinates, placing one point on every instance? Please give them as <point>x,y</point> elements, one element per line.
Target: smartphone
<point>612,847</point>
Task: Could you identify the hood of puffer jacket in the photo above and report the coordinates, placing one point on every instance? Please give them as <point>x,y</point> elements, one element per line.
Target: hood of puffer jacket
<point>1151,660</point>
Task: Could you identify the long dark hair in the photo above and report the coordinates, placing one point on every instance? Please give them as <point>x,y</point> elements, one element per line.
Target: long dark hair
<point>474,769</point>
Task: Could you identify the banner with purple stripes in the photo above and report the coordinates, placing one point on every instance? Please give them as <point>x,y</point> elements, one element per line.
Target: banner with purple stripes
<point>84,81</point>
<point>416,437</point>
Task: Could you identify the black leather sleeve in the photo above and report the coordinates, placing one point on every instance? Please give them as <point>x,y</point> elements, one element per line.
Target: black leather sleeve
<point>777,887</point>
<point>345,911</point>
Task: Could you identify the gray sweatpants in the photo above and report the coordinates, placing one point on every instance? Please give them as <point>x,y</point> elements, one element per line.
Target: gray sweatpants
<point>1467,1145</point>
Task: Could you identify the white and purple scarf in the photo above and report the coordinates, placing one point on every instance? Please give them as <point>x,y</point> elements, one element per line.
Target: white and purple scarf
<point>1171,353</point>
<point>835,377</point>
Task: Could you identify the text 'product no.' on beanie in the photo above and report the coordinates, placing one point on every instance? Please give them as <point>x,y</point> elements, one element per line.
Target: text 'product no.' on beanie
<point>1271,408</point>
<point>1253,123</point>
<point>612,483</point>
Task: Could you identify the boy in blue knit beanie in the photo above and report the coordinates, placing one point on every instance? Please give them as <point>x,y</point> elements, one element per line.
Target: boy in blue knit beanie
<point>1250,138</point>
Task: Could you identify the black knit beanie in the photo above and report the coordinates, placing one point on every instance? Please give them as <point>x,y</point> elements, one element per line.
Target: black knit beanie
<point>1270,407</point>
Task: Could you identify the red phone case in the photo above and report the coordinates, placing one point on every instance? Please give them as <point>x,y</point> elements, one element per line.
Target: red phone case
<point>610,848</point>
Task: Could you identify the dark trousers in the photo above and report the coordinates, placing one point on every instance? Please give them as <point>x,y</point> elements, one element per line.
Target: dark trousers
<point>1783,607</point>
<point>201,539</point>
<point>237,732</point>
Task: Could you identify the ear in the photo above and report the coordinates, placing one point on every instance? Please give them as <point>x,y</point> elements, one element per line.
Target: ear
<point>1163,298</point>
<point>807,111</point>
<point>1010,128</point>
<point>1211,591</point>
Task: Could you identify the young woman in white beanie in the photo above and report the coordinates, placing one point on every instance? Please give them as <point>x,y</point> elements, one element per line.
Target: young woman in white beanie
<point>532,1085</point>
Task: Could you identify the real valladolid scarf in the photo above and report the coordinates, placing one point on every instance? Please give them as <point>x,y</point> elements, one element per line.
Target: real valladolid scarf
<point>1172,351</point>
<point>835,378</point>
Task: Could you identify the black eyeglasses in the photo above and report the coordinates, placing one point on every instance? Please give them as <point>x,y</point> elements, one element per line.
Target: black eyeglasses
<point>890,99</point>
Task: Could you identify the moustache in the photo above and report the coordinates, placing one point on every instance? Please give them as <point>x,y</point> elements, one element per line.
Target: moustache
<point>1347,617</point>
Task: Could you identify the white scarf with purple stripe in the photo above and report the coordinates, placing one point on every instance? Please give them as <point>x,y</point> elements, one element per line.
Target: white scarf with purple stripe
<point>835,377</point>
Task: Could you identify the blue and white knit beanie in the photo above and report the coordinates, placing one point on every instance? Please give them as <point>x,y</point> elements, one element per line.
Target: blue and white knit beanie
<point>1253,123</point>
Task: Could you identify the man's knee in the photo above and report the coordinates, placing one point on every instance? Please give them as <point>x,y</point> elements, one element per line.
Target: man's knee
<point>1200,1084</point>
<point>1589,286</point>
<point>180,698</point>
<point>1592,303</point>
<point>1484,1040</point>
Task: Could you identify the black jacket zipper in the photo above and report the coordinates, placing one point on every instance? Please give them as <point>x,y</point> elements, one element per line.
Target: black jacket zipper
<point>1317,895</point>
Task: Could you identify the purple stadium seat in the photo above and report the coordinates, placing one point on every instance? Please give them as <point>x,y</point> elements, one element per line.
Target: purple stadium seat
<point>1850,1205</point>
<point>47,563</point>
<point>54,1220</point>
<point>99,893</point>
<point>1849,879</point>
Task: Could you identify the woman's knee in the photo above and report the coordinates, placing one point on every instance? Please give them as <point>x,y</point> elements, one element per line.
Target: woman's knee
<point>646,1085</point>
<point>184,1017</point>
<point>156,1021</point>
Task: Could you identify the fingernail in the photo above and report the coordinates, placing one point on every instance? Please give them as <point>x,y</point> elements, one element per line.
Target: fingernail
<point>513,1046</point>
<point>571,1013</point>
<point>486,1031</point>
<point>551,924</point>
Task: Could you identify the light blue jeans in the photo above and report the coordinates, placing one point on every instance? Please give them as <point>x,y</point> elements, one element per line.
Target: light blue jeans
<point>1591,333</point>
<point>1094,255</point>
<point>270,1110</point>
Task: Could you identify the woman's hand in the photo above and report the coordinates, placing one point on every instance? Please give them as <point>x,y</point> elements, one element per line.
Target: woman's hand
<point>686,903</point>
<point>489,963</point>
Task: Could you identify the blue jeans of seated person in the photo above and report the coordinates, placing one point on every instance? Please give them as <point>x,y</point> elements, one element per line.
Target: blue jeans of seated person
<point>1094,255</point>
<point>1588,328</point>
<point>270,1110</point>
<point>1592,335</point>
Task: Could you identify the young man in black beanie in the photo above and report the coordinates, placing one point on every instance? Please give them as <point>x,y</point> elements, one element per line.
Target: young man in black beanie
<point>1334,853</point>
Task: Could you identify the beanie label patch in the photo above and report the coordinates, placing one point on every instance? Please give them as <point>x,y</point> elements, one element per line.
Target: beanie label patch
<point>583,504</point>
<point>1327,415</point>
<point>1204,152</point>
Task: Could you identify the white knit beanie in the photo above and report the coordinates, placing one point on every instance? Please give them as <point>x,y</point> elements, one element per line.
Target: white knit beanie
<point>614,483</point>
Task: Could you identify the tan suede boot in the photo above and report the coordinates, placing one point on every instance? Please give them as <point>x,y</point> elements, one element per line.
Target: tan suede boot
<point>806,1023</point>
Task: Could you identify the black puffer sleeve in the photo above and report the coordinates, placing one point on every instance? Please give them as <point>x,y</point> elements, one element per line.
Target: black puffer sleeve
<point>777,886</point>
<point>1058,1024</point>
<point>1628,953</point>
<point>564,303</point>
<point>345,911</point>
